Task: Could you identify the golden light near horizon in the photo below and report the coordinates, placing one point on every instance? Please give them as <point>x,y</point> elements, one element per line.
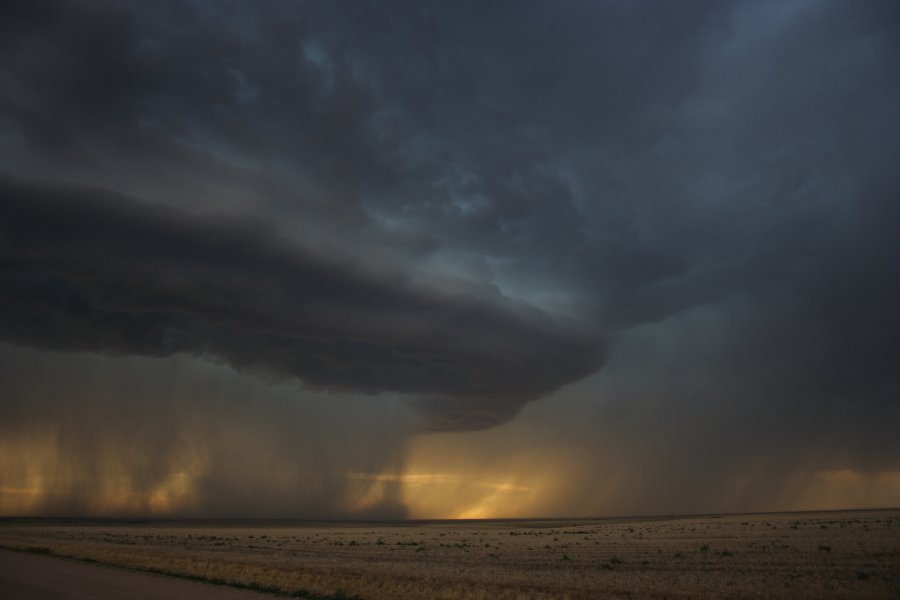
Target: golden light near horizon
<point>845,489</point>
<point>36,479</point>
<point>464,495</point>
<point>476,475</point>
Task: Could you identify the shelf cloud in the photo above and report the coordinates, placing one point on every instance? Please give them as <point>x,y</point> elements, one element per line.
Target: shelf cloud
<point>89,270</point>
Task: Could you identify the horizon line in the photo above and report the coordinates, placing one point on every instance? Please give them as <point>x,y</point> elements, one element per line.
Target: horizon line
<point>350,520</point>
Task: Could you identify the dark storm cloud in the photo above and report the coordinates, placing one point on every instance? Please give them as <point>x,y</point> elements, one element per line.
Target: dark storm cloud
<point>623,162</point>
<point>194,104</point>
<point>645,164</point>
<point>87,270</point>
<point>714,179</point>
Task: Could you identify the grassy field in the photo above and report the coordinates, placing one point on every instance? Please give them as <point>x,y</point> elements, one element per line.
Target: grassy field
<point>792,555</point>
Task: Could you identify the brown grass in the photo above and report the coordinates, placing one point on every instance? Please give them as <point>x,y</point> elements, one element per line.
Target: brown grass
<point>812,555</point>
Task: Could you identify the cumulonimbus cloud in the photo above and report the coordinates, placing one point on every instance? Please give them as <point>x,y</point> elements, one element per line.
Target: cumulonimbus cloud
<point>85,269</point>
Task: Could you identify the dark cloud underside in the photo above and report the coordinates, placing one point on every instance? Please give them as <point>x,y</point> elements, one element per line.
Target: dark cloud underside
<point>87,270</point>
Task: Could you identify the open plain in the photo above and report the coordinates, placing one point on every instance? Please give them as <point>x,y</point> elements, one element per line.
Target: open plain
<point>789,555</point>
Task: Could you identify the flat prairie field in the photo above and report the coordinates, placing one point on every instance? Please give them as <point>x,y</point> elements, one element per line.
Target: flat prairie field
<point>788,555</point>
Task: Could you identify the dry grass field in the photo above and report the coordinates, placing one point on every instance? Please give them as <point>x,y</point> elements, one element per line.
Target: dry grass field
<point>793,555</point>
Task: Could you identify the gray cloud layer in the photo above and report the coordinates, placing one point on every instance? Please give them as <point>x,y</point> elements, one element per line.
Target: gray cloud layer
<point>92,271</point>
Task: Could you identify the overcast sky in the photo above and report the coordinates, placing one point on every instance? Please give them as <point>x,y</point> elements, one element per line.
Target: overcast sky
<point>442,259</point>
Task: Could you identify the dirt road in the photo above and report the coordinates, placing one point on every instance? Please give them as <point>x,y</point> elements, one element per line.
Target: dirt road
<point>35,577</point>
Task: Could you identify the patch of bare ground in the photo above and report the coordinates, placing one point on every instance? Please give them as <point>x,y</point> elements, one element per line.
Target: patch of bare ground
<point>790,555</point>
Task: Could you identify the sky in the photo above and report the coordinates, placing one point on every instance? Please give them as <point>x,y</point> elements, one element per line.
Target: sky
<point>387,260</point>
